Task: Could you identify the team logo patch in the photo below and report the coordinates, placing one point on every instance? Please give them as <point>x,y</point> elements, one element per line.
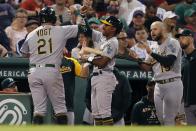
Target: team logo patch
<point>109,49</point>
<point>172,48</point>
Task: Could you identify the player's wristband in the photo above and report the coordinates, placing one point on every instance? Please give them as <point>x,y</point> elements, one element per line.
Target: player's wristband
<point>90,59</point>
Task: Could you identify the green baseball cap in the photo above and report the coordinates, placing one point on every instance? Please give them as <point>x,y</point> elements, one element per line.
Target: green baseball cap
<point>189,12</point>
<point>94,20</point>
<point>7,83</point>
<point>185,32</point>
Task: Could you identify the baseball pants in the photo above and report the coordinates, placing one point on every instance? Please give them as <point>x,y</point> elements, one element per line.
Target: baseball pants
<point>167,99</point>
<point>88,118</point>
<point>47,82</point>
<point>103,86</point>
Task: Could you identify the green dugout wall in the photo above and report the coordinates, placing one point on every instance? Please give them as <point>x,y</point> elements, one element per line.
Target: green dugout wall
<point>17,108</point>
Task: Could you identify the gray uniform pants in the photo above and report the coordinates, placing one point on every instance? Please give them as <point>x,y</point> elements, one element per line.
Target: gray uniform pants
<point>103,86</point>
<point>167,99</point>
<point>47,82</point>
<point>88,118</point>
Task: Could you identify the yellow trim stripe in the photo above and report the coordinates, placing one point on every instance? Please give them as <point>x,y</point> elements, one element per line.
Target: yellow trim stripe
<point>105,22</point>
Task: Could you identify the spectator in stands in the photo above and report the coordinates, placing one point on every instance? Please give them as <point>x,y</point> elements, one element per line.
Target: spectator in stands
<point>190,19</point>
<point>3,51</point>
<point>33,7</point>
<point>8,85</point>
<point>111,11</point>
<point>127,6</point>
<point>168,5</point>
<point>150,16</point>
<point>170,21</point>
<point>85,40</point>
<point>138,47</point>
<point>113,8</point>
<point>17,30</point>
<point>141,35</point>
<point>144,112</point>
<point>31,25</point>
<point>75,11</point>
<point>130,40</point>
<point>138,21</point>
<point>122,40</point>
<point>4,40</point>
<point>123,51</point>
<point>7,13</point>
<point>63,13</point>
<point>182,7</point>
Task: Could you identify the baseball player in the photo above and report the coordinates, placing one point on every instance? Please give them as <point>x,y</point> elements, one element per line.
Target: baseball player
<point>8,85</point>
<point>144,112</point>
<point>44,46</point>
<point>70,68</point>
<point>166,65</point>
<point>104,81</point>
<point>188,74</point>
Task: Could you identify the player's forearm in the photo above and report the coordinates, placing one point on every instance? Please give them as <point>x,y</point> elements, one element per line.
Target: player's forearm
<point>145,67</point>
<point>101,61</point>
<point>164,60</point>
<point>92,50</point>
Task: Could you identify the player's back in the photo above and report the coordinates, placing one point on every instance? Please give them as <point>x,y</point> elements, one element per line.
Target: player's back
<point>46,43</point>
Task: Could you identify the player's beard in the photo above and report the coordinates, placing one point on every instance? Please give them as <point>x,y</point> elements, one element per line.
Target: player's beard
<point>184,46</point>
<point>158,37</point>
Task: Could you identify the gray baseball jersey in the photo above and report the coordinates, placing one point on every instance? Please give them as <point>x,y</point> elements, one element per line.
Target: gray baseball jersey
<point>45,44</point>
<point>108,47</point>
<point>170,47</point>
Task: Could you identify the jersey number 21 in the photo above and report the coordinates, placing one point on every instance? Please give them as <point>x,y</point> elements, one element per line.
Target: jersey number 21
<point>44,46</point>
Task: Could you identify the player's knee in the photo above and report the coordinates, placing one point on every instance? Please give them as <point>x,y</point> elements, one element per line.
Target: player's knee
<point>38,119</point>
<point>61,118</point>
<point>107,121</point>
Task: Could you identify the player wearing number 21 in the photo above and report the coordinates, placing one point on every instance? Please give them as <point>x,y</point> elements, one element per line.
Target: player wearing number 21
<point>44,46</point>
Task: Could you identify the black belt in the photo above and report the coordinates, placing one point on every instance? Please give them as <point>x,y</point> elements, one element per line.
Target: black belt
<point>42,65</point>
<point>166,81</point>
<point>97,73</point>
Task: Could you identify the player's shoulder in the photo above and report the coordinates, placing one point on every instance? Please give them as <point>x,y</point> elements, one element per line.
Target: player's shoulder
<point>173,41</point>
<point>138,105</point>
<point>69,26</point>
<point>113,41</point>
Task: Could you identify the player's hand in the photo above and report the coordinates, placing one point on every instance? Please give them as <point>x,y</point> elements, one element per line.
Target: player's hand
<point>83,58</point>
<point>83,10</point>
<point>149,51</point>
<point>83,51</point>
<point>133,54</point>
